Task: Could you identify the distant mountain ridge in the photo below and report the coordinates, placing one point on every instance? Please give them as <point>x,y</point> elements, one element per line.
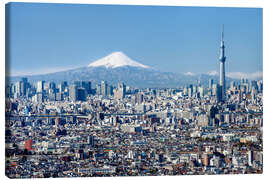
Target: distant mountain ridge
<point>117,67</point>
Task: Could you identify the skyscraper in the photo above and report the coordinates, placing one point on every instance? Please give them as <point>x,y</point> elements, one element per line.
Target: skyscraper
<point>24,84</point>
<point>81,94</point>
<point>104,88</point>
<point>73,92</point>
<point>62,86</point>
<point>40,86</point>
<point>211,81</point>
<point>222,59</point>
<point>190,90</point>
<point>121,91</point>
<point>87,86</point>
<point>18,88</point>
<point>122,88</point>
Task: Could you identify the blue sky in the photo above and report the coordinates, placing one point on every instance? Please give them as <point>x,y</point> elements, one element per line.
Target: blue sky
<point>51,37</point>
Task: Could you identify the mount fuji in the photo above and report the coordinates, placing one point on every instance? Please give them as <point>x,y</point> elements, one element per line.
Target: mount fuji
<point>115,60</point>
<point>117,67</point>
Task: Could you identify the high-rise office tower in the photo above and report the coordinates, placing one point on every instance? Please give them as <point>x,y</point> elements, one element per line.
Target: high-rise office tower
<point>190,90</point>
<point>222,59</point>
<point>52,95</point>
<point>18,87</point>
<point>122,88</point>
<point>87,86</point>
<point>81,94</point>
<point>73,92</point>
<point>40,86</point>
<point>24,84</point>
<point>201,91</point>
<point>120,93</point>
<point>109,90</point>
<point>211,83</point>
<point>52,86</point>
<point>104,88</point>
<point>62,86</point>
<point>98,89</point>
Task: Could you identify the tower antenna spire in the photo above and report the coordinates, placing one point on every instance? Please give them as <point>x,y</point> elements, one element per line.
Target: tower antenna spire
<point>222,32</point>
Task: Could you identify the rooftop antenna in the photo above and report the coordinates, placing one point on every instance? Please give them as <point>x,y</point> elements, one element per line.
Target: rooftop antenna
<point>222,32</point>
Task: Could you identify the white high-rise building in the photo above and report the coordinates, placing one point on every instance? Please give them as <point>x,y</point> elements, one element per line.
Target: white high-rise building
<point>40,86</point>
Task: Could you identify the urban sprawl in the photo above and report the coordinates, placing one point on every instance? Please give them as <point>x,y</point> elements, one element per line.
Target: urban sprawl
<point>74,130</point>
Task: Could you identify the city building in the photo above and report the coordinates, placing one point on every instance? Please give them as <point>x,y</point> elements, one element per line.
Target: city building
<point>73,92</point>
<point>40,86</point>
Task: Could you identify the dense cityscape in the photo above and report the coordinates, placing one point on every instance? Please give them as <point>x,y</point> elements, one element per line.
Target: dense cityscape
<point>76,130</point>
<point>80,129</point>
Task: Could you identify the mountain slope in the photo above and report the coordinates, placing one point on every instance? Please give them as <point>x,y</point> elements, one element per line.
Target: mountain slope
<point>117,67</point>
<point>132,76</point>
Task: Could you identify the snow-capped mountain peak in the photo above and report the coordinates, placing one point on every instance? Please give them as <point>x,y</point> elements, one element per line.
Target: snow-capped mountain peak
<point>116,59</point>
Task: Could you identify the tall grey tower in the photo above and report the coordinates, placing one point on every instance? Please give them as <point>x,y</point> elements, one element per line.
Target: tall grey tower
<point>222,59</point>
